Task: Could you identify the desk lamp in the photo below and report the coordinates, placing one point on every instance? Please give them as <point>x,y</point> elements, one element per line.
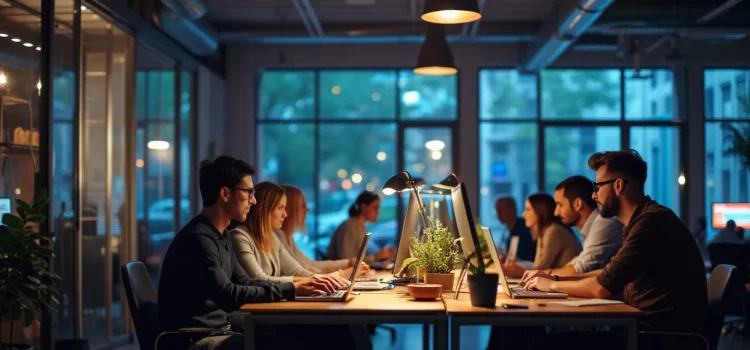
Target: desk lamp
<point>402,182</point>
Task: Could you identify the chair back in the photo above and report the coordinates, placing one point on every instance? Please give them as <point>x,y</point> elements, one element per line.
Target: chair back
<point>717,291</point>
<point>142,298</point>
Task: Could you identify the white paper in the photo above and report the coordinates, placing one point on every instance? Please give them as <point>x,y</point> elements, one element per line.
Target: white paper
<point>587,302</point>
<point>513,247</point>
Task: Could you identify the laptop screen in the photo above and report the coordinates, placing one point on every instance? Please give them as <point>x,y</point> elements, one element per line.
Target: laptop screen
<point>360,258</point>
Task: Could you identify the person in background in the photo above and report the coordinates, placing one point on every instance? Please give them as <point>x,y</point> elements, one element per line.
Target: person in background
<point>658,270</point>
<point>700,233</point>
<point>556,245</point>
<point>347,238</point>
<point>296,210</point>
<point>602,237</point>
<point>259,251</point>
<point>728,234</point>
<point>202,283</point>
<point>506,213</point>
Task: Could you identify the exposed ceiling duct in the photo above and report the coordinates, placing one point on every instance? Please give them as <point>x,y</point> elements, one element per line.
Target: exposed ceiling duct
<point>557,34</point>
<point>190,9</point>
<point>196,35</point>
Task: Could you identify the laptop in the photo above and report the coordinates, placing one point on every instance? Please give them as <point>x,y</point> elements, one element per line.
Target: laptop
<point>341,295</point>
<point>515,292</point>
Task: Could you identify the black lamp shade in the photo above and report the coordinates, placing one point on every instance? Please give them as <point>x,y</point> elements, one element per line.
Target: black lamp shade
<point>398,182</point>
<point>451,11</point>
<point>447,184</point>
<point>435,57</point>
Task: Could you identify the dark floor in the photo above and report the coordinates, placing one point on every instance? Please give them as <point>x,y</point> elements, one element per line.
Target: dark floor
<point>410,337</point>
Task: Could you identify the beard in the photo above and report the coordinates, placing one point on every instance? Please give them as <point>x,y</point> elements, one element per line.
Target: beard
<point>610,208</point>
<point>570,220</point>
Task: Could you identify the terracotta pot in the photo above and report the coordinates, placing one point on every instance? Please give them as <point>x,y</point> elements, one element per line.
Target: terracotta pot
<point>443,279</point>
<point>423,292</point>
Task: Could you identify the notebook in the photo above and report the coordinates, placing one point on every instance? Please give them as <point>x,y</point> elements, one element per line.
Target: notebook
<point>587,302</point>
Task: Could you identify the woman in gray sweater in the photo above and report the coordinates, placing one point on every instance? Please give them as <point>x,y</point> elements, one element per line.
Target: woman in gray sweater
<point>258,249</point>
<point>347,237</point>
<point>296,209</point>
<point>556,244</point>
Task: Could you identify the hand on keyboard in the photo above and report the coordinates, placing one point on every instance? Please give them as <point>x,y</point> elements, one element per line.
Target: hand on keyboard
<point>318,284</point>
<point>539,283</point>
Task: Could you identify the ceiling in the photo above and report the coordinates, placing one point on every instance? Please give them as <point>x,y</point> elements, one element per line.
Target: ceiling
<point>519,20</point>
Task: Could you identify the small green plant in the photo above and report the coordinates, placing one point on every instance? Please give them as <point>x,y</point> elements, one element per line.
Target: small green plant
<point>27,286</point>
<point>479,269</point>
<point>739,137</point>
<point>439,252</point>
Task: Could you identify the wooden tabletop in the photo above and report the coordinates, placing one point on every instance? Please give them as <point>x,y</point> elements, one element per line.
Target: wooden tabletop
<point>393,303</point>
<point>462,306</point>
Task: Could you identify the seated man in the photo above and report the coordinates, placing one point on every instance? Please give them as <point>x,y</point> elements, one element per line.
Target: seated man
<point>728,234</point>
<point>602,237</point>
<point>201,280</point>
<point>507,213</point>
<point>659,268</point>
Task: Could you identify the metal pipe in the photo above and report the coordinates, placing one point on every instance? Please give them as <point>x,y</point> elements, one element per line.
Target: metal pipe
<point>78,109</point>
<point>108,188</point>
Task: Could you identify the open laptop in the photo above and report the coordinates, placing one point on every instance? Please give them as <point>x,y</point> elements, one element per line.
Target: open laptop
<point>341,295</point>
<point>515,292</point>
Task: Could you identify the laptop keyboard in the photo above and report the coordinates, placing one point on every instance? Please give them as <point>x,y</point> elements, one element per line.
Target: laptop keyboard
<point>338,294</point>
<point>527,293</point>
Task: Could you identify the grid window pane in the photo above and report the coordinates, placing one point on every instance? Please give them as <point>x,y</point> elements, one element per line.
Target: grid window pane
<point>507,94</point>
<point>575,94</point>
<point>727,177</point>
<point>659,146</point>
<point>357,94</point>
<point>507,167</point>
<point>423,156</point>
<point>427,97</point>
<point>723,90</point>
<point>287,156</point>
<point>349,165</point>
<point>567,150</point>
<point>287,95</point>
<point>649,95</point>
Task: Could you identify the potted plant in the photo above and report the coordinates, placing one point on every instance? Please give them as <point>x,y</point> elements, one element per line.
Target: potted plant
<point>437,255</point>
<point>482,285</point>
<point>739,137</point>
<point>27,286</point>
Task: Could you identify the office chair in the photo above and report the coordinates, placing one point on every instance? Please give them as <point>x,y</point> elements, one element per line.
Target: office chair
<point>737,255</point>
<point>142,302</point>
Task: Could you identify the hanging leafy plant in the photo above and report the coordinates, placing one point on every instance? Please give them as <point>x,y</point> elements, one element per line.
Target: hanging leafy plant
<point>738,138</point>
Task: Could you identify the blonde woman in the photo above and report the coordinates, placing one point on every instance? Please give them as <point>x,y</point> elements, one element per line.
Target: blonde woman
<point>296,210</point>
<point>259,251</point>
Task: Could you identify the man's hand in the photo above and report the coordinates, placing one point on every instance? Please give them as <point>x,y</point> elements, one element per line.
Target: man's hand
<point>528,275</point>
<point>541,284</point>
<point>318,284</point>
<point>513,269</point>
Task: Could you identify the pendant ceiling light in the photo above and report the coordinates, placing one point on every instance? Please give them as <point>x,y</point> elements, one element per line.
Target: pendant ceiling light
<point>451,11</point>
<point>435,57</point>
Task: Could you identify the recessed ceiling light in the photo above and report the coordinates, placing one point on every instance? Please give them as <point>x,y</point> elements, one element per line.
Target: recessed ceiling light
<point>3,35</point>
<point>28,44</point>
<point>15,40</point>
<point>39,48</point>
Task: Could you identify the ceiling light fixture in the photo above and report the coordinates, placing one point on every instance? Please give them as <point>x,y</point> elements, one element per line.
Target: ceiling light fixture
<point>435,57</point>
<point>451,11</point>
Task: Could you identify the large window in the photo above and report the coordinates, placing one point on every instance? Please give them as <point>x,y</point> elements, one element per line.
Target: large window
<point>726,175</point>
<point>335,133</point>
<point>556,119</point>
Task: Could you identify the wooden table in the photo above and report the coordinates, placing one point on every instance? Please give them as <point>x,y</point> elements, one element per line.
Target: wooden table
<point>363,309</point>
<point>463,314</point>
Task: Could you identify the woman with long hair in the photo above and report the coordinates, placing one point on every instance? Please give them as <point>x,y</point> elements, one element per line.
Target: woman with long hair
<point>556,244</point>
<point>347,238</point>
<point>296,210</point>
<point>259,251</point>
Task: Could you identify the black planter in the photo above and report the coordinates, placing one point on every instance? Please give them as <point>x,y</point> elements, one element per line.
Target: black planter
<point>483,290</point>
<point>15,346</point>
<point>72,344</point>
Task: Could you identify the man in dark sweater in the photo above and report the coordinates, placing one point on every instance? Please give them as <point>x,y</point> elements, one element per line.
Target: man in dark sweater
<point>201,281</point>
<point>659,268</point>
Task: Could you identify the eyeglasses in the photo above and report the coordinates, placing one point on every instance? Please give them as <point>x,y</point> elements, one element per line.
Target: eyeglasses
<point>598,185</point>
<point>250,191</point>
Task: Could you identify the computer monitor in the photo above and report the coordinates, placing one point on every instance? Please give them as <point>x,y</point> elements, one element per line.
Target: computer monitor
<point>464,220</point>
<point>411,223</point>
<point>723,212</point>
<point>5,206</point>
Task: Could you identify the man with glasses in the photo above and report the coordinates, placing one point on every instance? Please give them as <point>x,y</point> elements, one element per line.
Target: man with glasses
<point>201,281</point>
<point>659,268</point>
